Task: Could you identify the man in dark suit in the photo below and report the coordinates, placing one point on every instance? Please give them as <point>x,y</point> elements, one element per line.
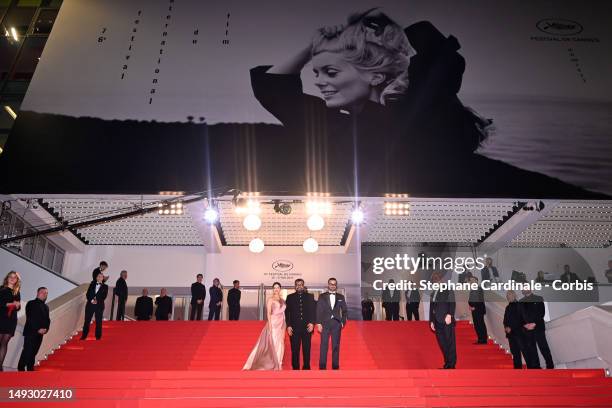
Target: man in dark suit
<point>367,308</point>
<point>477,306</point>
<point>513,325</point>
<point>216,299</point>
<point>164,306</point>
<point>331,319</point>
<point>442,321</point>
<point>121,291</point>
<point>144,306</point>
<point>390,302</point>
<point>96,295</point>
<point>300,318</point>
<point>413,299</point>
<point>37,325</point>
<point>198,295</point>
<point>489,271</point>
<point>568,276</point>
<point>233,301</point>
<point>533,311</point>
<point>100,269</point>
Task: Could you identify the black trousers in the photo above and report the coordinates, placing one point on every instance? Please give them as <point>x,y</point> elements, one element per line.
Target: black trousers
<point>445,334</point>
<point>196,311</point>
<point>90,311</point>
<point>31,345</point>
<point>517,349</point>
<point>120,308</point>
<point>479,325</point>
<point>234,312</point>
<point>412,309</point>
<point>367,316</point>
<point>300,338</point>
<point>535,340</point>
<point>331,328</point>
<point>214,311</point>
<point>392,311</point>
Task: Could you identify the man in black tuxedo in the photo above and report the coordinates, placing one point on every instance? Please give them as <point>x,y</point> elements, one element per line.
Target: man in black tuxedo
<point>96,295</point>
<point>300,317</point>
<point>489,272</point>
<point>198,295</point>
<point>37,325</point>
<point>390,302</point>
<point>121,291</point>
<point>513,326</point>
<point>144,306</point>
<point>331,319</point>
<point>233,301</point>
<point>533,311</point>
<point>477,306</point>
<point>442,321</point>
<point>413,299</point>
<point>164,305</point>
<point>216,299</point>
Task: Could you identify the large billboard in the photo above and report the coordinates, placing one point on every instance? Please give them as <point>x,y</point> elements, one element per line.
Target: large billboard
<point>428,98</point>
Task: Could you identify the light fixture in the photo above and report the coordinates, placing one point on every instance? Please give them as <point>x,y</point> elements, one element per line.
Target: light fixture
<point>256,245</point>
<point>357,216</point>
<point>14,33</point>
<point>211,215</point>
<point>315,222</point>
<point>282,208</point>
<point>311,245</point>
<point>10,111</point>
<point>252,222</point>
<point>170,209</point>
<point>396,208</point>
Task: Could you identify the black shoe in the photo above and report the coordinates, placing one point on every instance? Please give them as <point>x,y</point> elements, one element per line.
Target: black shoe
<point>450,368</point>
<point>322,368</point>
<point>335,368</point>
<point>305,368</point>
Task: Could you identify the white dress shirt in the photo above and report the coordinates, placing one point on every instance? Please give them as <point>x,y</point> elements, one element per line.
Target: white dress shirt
<point>332,299</point>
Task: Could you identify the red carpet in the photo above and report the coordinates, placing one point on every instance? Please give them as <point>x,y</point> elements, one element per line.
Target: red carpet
<point>195,364</point>
<point>225,345</point>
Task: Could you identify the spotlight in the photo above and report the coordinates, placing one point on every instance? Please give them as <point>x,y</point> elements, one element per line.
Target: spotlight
<point>315,222</point>
<point>256,245</point>
<point>252,222</point>
<point>311,245</point>
<point>282,208</point>
<point>396,208</point>
<point>211,215</point>
<point>357,216</point>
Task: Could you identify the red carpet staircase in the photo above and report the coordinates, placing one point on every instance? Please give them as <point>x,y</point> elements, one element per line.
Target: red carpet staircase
<point>193,364</point>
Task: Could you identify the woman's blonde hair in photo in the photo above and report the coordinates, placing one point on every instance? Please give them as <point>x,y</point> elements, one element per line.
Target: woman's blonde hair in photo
<point>373,42</point>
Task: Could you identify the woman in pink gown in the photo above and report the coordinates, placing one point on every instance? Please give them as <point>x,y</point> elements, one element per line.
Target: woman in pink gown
<point>269,349</point>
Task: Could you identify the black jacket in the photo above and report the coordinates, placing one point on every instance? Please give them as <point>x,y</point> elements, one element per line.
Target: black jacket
<point>513,319</point>
<point>144,308</point>
<point>485,273</point>
<point>121,289</point>
<point>533,311</point>
<point>198,292</point>
<point>325,312</point>
<point>233,297</point>
<point>569,277</point>
<point>444,305</point>
<point>367,307</point>
<point>37,317</point>
<point>216,295</point>
<point>476,300</point>
<point>300,310</point>
<point>164,307</point>
<point>387,298</point>
<point>414,297</point>
<point>100,296</point>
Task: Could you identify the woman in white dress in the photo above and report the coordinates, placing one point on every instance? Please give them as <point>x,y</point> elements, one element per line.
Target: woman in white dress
<point>270,347</point>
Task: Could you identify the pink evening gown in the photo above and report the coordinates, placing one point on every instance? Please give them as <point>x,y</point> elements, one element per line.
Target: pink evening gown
<point>270,347</point>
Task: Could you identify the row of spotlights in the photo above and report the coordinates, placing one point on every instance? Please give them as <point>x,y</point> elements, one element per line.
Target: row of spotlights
<point>257,245</point>
<point>172,209</point>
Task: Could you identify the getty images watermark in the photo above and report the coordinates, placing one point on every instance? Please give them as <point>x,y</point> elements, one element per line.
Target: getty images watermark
<point>459,265</point>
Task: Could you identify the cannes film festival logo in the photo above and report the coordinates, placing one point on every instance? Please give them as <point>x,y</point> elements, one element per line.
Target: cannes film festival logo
<point>282,265</point>
<point>559,26</point>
